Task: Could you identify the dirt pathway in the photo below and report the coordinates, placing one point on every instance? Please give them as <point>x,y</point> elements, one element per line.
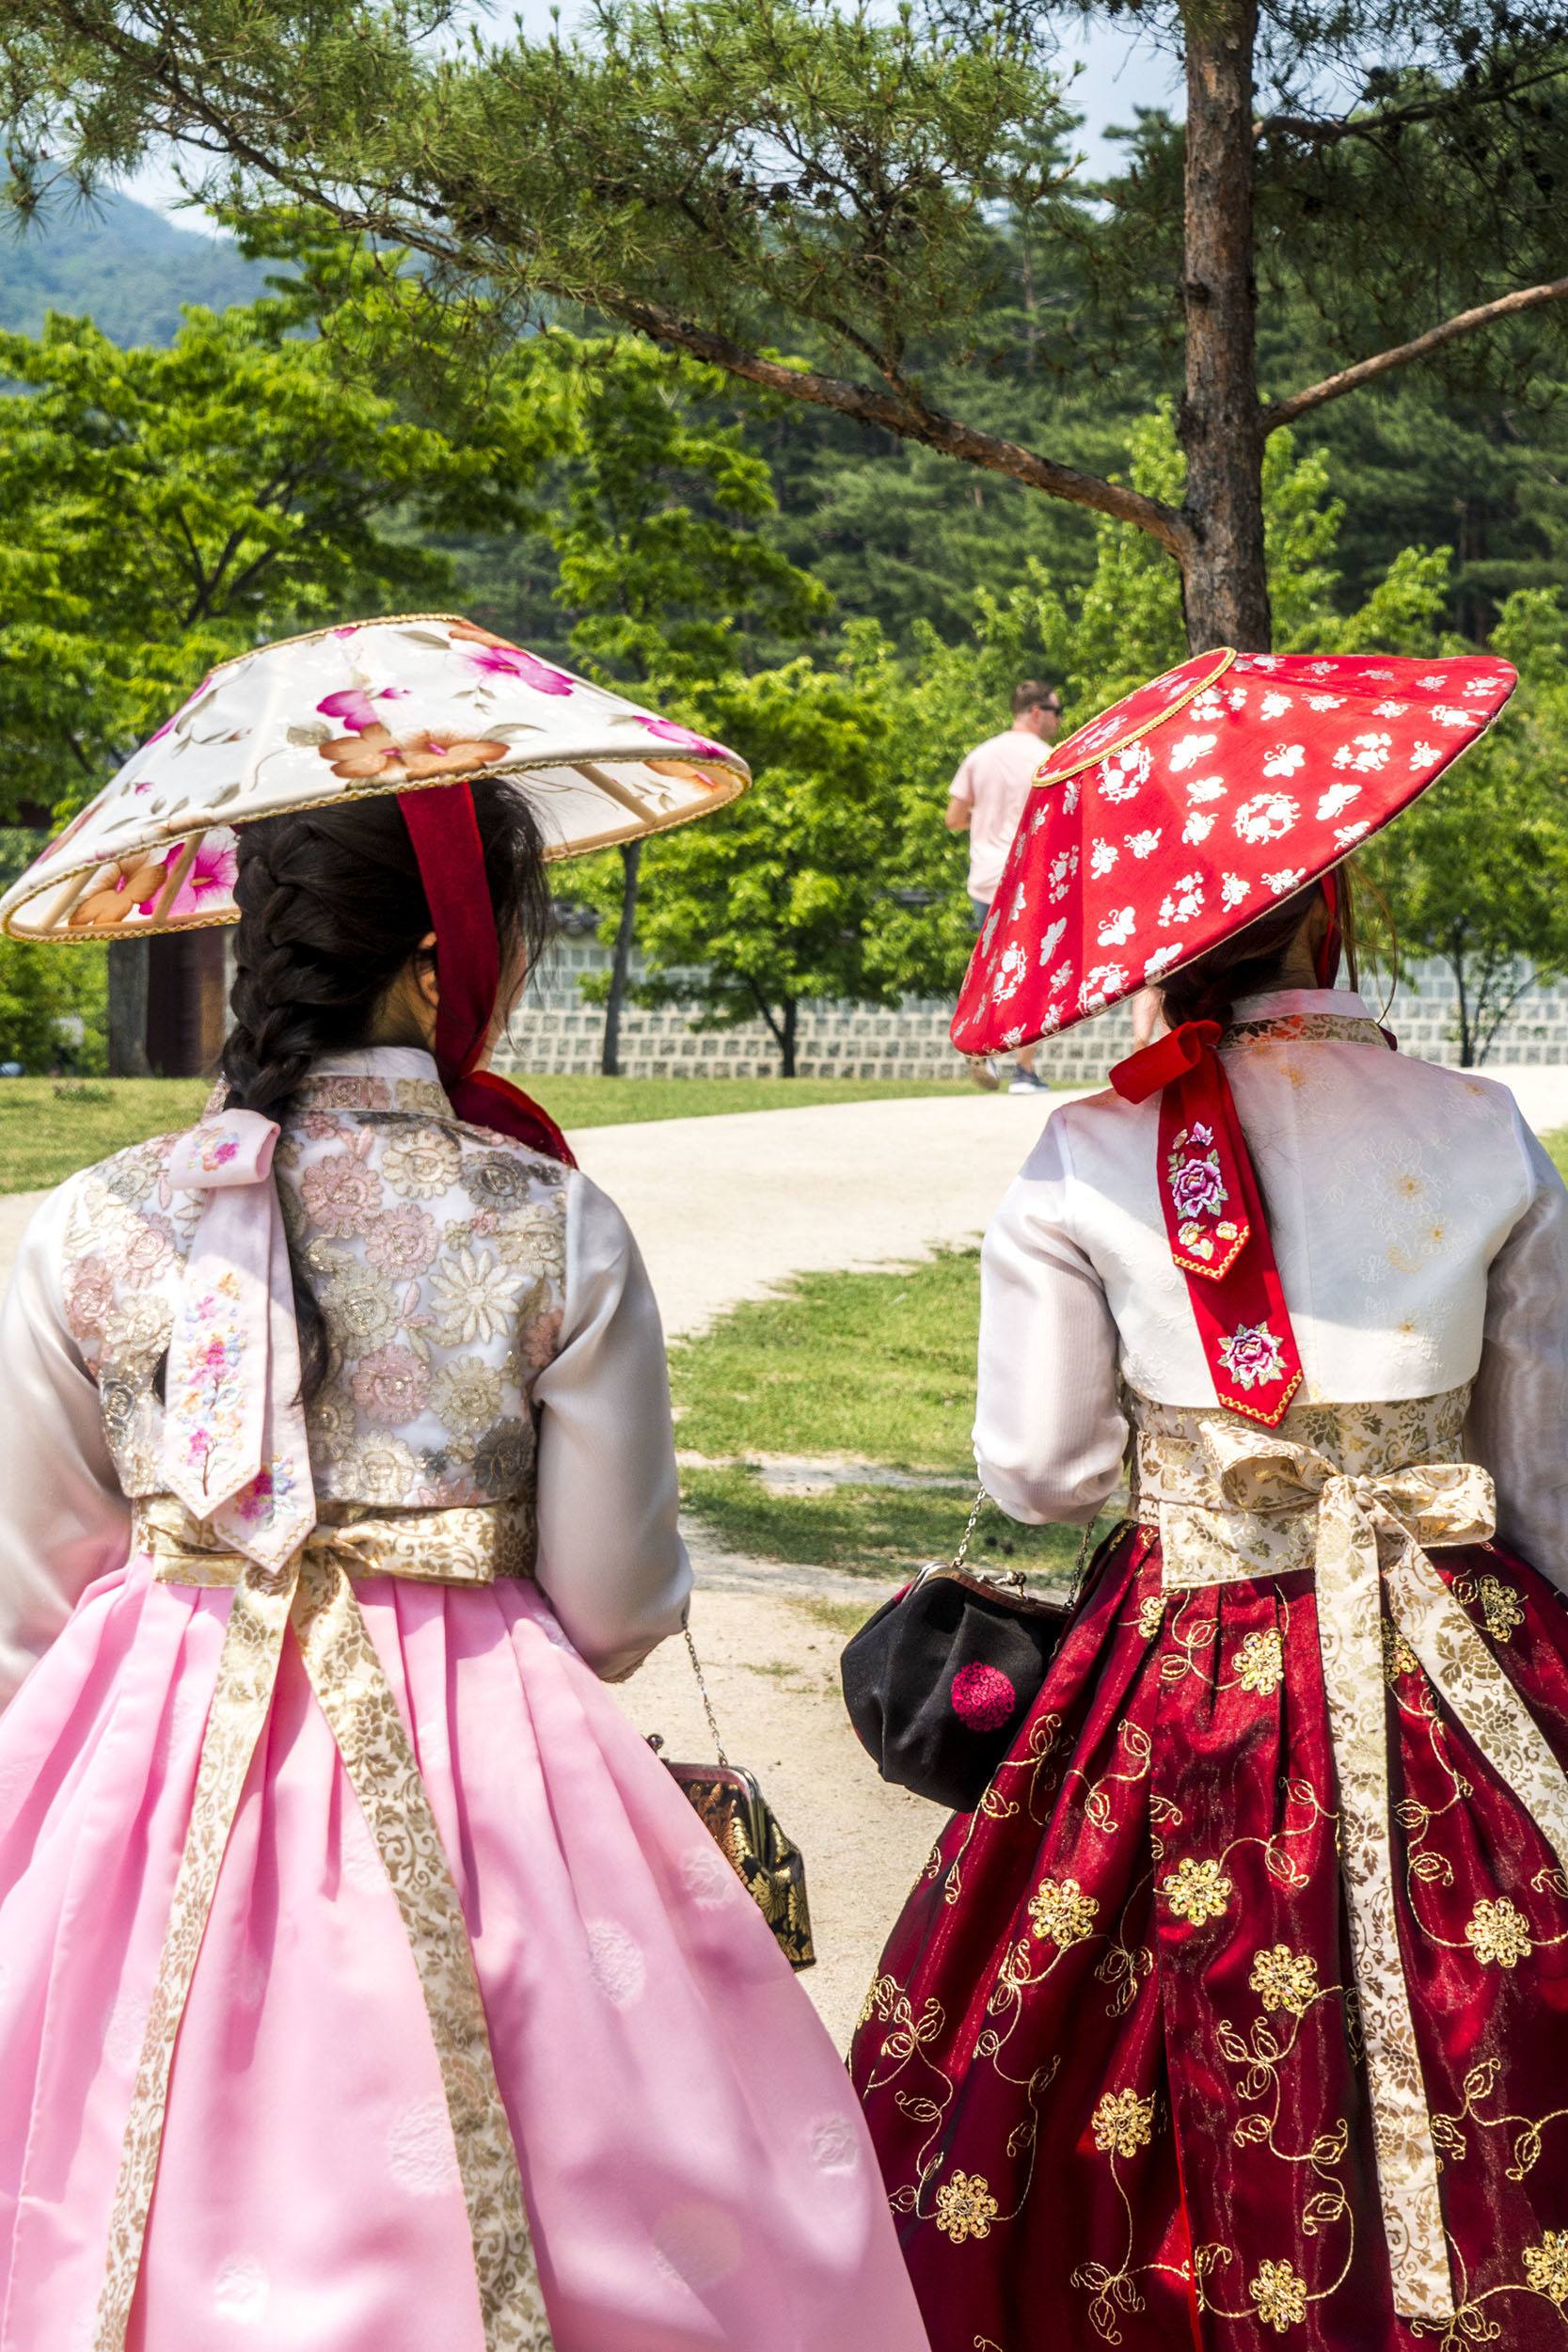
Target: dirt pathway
<point>770,1639</point>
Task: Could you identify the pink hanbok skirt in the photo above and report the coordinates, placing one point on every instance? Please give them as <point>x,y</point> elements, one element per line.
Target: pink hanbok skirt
<point>695,2166</point>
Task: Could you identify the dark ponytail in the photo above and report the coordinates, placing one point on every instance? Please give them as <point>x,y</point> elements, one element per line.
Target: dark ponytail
<point>1251,961</point>
<point>332,911</point>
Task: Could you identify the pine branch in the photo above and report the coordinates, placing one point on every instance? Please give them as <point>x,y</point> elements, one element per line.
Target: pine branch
<point>1421,347</point>
<point>911,417</point>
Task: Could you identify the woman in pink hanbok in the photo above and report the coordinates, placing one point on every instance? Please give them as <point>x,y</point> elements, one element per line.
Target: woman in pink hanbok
<point>366,1982</point>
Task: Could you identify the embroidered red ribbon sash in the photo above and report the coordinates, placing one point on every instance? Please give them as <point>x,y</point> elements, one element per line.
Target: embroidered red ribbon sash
<point>1219,1236</point>
<point>444,831</point>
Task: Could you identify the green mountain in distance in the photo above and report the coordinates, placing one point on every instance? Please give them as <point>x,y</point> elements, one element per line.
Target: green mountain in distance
<point>120,263</point>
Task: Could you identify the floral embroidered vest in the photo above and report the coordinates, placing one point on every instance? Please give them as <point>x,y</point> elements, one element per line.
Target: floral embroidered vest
<point>437,1251</point>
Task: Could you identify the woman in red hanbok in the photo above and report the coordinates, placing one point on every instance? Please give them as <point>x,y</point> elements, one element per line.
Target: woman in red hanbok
<point>1236,2013</point>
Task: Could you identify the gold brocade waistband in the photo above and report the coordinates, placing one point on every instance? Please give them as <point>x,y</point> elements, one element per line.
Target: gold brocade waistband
<point>312,1595</point>
<point>469,1543</point>
<point>1359,1495</point>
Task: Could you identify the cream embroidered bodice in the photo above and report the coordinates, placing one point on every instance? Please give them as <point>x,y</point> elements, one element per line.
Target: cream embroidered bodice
<point>437,1252</point>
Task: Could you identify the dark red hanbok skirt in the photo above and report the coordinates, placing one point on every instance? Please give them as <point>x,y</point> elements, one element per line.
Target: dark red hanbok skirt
<point>1111,2060</point>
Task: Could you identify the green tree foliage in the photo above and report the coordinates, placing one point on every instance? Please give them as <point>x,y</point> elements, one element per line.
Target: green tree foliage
<point>1472,874</point>
<point>165,508</point>
<point>52,1006</point>
<point>777,900</point>
<point>864,212</point>
<point>652,513</point>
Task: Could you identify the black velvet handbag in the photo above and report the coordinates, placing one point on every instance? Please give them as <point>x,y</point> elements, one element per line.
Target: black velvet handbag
<point>938,1683</point>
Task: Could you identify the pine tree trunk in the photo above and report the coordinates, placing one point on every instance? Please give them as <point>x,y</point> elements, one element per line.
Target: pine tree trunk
<point>631,860</point>
<point>1224,586</point>
<point>127,1022</point>
<point>786,1042</point>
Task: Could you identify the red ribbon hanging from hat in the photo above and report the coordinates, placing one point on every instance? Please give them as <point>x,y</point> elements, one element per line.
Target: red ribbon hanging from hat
<point>1219,1236</point>
<point>444,831</point>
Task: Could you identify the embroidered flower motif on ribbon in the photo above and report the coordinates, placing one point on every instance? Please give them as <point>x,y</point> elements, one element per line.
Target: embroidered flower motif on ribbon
<point>1252,1355</point>
<point>1195,1179</point>
<point>204,1413</point>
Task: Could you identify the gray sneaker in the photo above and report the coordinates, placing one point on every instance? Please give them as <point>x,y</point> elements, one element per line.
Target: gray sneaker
<point>1024,1082</point>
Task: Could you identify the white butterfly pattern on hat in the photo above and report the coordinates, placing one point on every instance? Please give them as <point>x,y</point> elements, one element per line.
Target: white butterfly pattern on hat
<point>1234,890</point>
<point>1102,856</point>
<point>1063,868</point>
<point>1123,774</point>
<point>1117,926</point>
<point>1161,959</point>
<point>1009,973</point>
<point>1053,940</point>
<point>1188,751</point>
<point>1266,816</point>
<point>1105,981</point>
<point>1284,759</point>
<point>1182,903</point>
<point>1290,878</point>
<point>1206,788</point>
<point>1144,844</point>
<point>1275,705</point>
<point>1368,752</point>
<point>1338,797</point>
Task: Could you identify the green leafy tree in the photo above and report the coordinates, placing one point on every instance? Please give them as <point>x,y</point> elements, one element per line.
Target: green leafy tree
<point>51,1007</point>
<point>1472,875</point>
<point>1096,644</point>
<point>774,903</point>
<point>814,198</point>
<point>165,508</point>
<point>654,515</point>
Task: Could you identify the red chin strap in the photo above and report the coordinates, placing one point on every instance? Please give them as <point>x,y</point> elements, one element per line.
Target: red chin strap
<point>1215,1220</point>
<point>445,834</point>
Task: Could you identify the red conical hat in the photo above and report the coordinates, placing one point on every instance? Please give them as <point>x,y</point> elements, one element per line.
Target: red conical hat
<point>1186,810</point>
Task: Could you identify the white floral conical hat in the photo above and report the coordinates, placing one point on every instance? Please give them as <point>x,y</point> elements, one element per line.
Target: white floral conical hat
<point>374,706</point>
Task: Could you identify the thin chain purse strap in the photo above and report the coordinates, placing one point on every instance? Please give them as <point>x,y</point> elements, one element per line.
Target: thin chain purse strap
<point>707,1702</point>
<point>1080,1574</point>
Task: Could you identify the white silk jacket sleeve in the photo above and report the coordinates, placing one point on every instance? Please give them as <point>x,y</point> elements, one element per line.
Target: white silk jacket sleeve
<point>1518,1426</point>
<point>1049,1432</point>
<point>63,1517</point>
<point>610,1558</point>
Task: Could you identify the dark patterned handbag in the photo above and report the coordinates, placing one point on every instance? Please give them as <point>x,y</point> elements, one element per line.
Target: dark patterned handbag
<point>731,1807</point>
<point>938,1682</point>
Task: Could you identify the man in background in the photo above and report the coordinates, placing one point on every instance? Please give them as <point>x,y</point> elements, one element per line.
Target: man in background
<point>986,801</point>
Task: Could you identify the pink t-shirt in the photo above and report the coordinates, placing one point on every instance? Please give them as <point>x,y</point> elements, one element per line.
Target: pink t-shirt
<point>993,784</point>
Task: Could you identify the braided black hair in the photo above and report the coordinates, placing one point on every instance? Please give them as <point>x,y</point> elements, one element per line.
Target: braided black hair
<point>332,912</point>
<point>1251,961</point>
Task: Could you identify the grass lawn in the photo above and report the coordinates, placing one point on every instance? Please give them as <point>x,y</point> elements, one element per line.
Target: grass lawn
<point>847,1368</point>
<point>49,1128</point>
<point>1557,1144</point>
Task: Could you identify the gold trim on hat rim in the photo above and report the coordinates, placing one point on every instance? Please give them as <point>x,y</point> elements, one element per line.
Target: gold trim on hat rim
<point>1223,656</point>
